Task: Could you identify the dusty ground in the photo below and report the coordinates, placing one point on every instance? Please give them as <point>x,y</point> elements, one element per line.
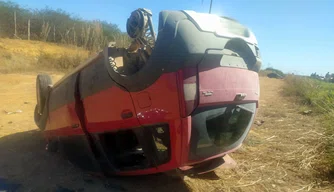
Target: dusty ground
<point>278,155</point>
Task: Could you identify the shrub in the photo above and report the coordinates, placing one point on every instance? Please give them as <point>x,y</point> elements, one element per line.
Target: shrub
<point>279,72</point>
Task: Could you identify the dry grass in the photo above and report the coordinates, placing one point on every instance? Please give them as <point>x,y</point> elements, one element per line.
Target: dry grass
<point>26,56</point>
<point>61,62</point>
<point>264,73</point>
<point>33,48</point>
<point>318,96</point>
<point>286,153</point>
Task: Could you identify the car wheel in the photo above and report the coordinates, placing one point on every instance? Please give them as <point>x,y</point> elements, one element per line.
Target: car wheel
<point>42,83</point>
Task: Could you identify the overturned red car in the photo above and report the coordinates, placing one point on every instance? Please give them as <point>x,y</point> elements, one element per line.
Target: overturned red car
<point>180,100</point>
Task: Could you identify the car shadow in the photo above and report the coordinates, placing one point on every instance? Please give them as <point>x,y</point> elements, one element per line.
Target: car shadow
<point>25,163</point>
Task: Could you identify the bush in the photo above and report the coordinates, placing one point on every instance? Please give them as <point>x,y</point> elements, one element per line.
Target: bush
<point>58,26</point>
<point>279,72</point>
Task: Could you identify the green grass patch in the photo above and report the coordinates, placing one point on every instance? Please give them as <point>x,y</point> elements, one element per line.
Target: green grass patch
<point>311,92</point>
<point>318,96</point>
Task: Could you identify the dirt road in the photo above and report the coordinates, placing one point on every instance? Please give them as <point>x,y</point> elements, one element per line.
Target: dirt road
<point>278,155</point>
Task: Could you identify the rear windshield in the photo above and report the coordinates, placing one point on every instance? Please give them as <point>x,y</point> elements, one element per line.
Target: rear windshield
<point>220,129</point>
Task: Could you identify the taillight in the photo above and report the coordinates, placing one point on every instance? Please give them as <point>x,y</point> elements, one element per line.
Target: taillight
<point>190,90</point>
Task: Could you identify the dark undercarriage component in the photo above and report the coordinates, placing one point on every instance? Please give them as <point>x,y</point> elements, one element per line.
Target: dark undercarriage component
<point>140,29</point>
<point>137,148</point>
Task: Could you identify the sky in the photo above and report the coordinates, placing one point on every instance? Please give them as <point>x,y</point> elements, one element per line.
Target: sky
<point>295,36</point>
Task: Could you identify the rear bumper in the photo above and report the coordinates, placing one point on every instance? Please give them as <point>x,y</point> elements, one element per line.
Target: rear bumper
<point>208,165</point>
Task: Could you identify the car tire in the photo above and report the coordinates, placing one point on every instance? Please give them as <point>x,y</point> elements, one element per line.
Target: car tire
<point>42,83</point>
<point>40,114</point>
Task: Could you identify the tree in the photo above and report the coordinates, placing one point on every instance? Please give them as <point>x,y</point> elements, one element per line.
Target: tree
<point>56,25</point>
<point>327,76</point>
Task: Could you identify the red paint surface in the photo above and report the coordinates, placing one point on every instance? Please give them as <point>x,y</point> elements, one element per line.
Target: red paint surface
<point>144,100</point>
<point>105,126</point>
<point>104,110</point>
<point>162,102</point>
<point>164,108</point>
<point>186,134</point>
<point>225,83</point>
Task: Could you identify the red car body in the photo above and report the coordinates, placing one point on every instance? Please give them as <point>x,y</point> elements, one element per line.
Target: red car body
<point>185,109</point>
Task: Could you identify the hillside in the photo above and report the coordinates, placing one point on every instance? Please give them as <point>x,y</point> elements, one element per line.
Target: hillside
<point>34,48</point>
<point>26,56</point>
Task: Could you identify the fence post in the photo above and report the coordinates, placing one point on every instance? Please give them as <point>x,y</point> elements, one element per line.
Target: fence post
<point>29,30</point>
<point>15,32</point>
<point>123,41</point>
<point>74,37</point>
